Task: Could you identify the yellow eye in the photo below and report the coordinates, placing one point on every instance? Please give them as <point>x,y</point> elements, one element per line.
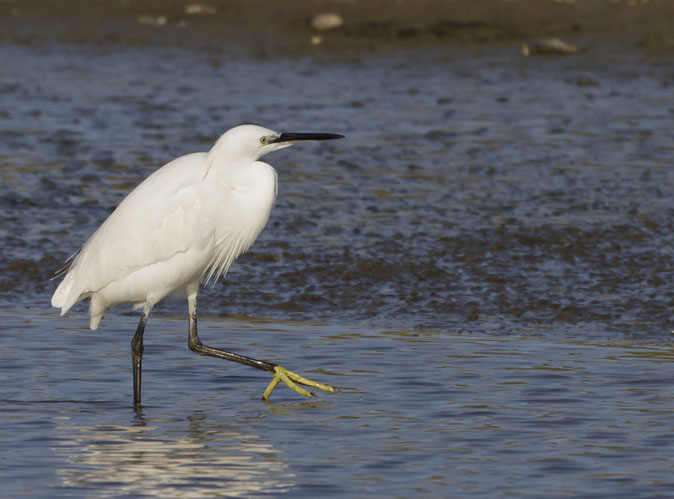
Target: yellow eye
<point>264,140</point>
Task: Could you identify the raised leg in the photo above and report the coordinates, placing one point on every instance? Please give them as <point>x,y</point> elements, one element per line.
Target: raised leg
<point>137,356</point>
<point>280,373</point>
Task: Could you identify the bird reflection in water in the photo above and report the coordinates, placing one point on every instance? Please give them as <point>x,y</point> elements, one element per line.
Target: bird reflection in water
<point>206,461</point>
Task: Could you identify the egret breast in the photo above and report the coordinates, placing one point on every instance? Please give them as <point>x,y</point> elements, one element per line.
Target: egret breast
<point>243,212</point>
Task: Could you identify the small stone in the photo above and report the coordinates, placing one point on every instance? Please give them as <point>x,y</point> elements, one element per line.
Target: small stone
<point>153,20</point>
<point>199,8</point>
<point>549,46</point>
<point>326,21</point>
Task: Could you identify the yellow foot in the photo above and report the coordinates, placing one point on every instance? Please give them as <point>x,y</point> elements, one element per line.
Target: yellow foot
<point>292,380</point>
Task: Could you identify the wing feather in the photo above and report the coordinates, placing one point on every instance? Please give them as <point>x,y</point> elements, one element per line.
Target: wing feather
<point>152,224</point>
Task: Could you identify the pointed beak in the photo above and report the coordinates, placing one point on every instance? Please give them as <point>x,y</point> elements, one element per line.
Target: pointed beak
<point>303,137</point>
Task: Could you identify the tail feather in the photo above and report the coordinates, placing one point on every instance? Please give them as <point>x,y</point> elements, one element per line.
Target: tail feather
<point>64,297</point>
<point>67,265</point>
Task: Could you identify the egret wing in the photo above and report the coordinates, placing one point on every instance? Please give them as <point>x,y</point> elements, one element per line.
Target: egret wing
<point>155,222</point>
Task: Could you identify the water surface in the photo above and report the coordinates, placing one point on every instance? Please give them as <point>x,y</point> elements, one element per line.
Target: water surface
<point>421,414</point>
<point>484,266</point>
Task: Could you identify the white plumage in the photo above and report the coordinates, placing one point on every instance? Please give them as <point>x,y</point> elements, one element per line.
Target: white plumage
<point>185,223</point>
<point>193,216</point>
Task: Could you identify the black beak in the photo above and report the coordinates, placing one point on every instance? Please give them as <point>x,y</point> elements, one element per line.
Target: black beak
<point>300,137</point>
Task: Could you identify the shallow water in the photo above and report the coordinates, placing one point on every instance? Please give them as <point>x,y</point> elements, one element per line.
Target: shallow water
<point>472,187</point>
<point>421,414</point>
<point>484,265</point>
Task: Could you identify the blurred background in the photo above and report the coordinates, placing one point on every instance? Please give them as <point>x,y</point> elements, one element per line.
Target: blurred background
<point>507,161</point>
<point>284,28</point>
<point>485,262</point>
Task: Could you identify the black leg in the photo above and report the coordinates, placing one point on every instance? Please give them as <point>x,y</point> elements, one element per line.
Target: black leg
<point>196,346</point>
<point>137,357</point>
<point>280,373</point>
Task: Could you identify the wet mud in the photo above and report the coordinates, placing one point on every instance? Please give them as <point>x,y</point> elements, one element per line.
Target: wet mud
<point>484,264</point>
<point>478,189</point>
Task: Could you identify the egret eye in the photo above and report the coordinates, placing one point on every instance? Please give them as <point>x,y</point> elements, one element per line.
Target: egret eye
<point>237,184</point>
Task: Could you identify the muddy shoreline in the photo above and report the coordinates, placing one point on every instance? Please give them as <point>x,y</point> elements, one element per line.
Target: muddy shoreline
<point>273,28</point>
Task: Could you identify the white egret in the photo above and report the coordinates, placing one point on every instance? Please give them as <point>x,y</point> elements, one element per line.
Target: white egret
<point>184,224</point>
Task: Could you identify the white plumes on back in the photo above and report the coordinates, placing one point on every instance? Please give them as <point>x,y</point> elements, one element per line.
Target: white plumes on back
<point>188,220</point>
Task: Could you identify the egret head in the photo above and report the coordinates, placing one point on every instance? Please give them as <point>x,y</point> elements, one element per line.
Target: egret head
<point>251,142</point>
